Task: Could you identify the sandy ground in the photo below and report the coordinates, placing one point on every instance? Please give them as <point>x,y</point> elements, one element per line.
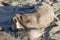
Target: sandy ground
<point>8,12</point>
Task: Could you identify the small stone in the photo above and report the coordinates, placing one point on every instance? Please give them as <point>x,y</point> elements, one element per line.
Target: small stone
<point>58,16</point>
<point>1,28</point>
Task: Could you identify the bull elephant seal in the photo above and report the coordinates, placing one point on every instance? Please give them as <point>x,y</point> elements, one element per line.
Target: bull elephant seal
<point>41,18</point>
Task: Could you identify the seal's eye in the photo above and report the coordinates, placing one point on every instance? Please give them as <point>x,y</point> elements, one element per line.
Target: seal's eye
<point>21,17</point>
<point>28,21</point>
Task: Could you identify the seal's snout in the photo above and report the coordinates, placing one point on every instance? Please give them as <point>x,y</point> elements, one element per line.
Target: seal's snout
<point>17,23</point>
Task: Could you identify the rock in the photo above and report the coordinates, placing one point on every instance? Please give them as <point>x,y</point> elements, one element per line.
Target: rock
<point>5,36</point>
<point>55,36</point>
<point>58,16</point>
<point>22,34</point>
<point>56,6</point>
<point>1,28</point>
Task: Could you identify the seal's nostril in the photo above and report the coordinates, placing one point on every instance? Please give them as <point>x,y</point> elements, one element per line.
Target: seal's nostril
<point>14,19</point>
<point>21,17</point>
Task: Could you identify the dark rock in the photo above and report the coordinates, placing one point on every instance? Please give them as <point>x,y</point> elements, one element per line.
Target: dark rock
<point>58,16</point>
<point>1,28</point>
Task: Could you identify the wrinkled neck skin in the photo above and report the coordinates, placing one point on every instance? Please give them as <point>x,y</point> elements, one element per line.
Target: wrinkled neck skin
<point>35,34</point>
<point>40,18</point>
